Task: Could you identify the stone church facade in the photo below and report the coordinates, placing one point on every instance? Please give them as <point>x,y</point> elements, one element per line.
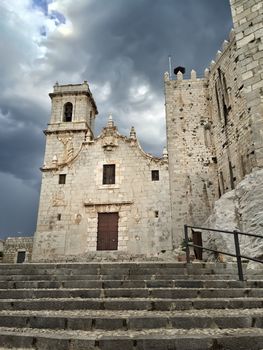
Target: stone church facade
<point>98,193</point>
<point>106,194</point>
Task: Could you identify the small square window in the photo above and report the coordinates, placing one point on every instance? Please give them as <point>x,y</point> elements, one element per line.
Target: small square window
<point>62,179</point>
<point>108,174</point>
<point>155,175</point>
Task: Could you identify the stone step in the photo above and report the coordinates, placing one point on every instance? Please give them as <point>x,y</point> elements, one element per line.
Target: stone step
<point>126,272</point>
<point>163,339</point>
<point>128,269</point>
<point>118,264</point>
<point>161,293</point>
<point>136,320</point>
<point>136,269</point>
<point>55,277</point>
<point>129,303</point>
<point>130,284</point>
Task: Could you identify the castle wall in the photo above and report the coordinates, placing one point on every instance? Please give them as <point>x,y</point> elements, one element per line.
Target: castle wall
<point>190,149</point>
<point>248,26</point>
<point>230,120</point>
<point>143,205</point>
<point>214,125</point>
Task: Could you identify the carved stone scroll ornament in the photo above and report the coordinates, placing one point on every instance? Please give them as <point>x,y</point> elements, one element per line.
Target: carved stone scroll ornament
<point>68,148</point>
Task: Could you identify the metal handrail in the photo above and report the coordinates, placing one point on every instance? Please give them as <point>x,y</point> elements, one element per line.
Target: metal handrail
<point>238,255</point>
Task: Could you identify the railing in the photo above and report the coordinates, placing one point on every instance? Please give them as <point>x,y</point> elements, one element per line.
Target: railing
<point>238,255</point>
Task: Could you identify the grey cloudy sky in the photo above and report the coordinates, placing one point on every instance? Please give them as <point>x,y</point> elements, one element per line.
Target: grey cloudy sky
<point>120,46</point>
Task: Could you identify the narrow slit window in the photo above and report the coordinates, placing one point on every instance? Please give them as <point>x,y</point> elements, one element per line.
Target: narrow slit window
<point>59,217</point>
<point>222,182</point>
<point>155,175</point>
<point>217,101</point>
<point>62,179</point>
<point>108,174</point>
<point>219,190</point>
<point>231,174</point>
<point>156,213</point>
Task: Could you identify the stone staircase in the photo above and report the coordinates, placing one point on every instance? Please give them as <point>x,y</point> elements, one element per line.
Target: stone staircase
<point>129,306</point>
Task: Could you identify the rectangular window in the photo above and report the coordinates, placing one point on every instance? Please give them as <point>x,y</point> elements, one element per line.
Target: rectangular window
<point>108,174</point>
<point>59,217</point>
<point>62,179</point>
<point>155,175</point>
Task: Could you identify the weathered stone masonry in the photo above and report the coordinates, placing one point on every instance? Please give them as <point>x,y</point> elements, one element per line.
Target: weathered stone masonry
<point>190,151</point>
<point>214,140</point>
<point>214,124</point>
<point>15,245</point>
<point>68,212</point>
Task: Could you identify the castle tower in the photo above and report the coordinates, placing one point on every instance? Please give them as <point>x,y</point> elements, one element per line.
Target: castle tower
<point>247,18</point>
<point>190,150</point>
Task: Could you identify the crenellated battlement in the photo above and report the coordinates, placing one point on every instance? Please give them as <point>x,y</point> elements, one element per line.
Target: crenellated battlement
<point>180,77</point>
<point>225,48</point>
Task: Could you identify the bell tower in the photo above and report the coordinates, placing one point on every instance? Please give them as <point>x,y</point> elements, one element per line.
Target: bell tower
<point>73,107</point>
<point>73,113</point>
<point>71,126</point>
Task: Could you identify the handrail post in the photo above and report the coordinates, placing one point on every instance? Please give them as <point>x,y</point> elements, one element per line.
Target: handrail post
<point>239,263</point>
<point>187,250</point>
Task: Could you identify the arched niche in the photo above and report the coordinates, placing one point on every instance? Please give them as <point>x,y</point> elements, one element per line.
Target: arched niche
<point>67,112</point>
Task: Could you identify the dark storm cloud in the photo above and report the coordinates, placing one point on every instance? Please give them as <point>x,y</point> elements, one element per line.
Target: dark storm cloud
<point>120,47</point>
<point>21,138</point>
<point>122,40</point>
<point>18,207</point>
<point>142,33</point>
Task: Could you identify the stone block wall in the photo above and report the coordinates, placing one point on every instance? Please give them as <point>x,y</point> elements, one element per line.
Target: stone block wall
<point>13,245</point>
<point>190,149</point>
<point>248,26</point>
<point>63,146</point>
<point>214,124</point>
<point>68,213</point>
<point>230,120</point>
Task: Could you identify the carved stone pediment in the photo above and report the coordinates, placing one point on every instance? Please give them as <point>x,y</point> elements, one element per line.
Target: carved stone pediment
<point>109,143</point>
<point>109,138</point>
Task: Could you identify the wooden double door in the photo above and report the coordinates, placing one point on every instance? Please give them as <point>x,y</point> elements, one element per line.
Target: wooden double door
<point>107,238</point>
